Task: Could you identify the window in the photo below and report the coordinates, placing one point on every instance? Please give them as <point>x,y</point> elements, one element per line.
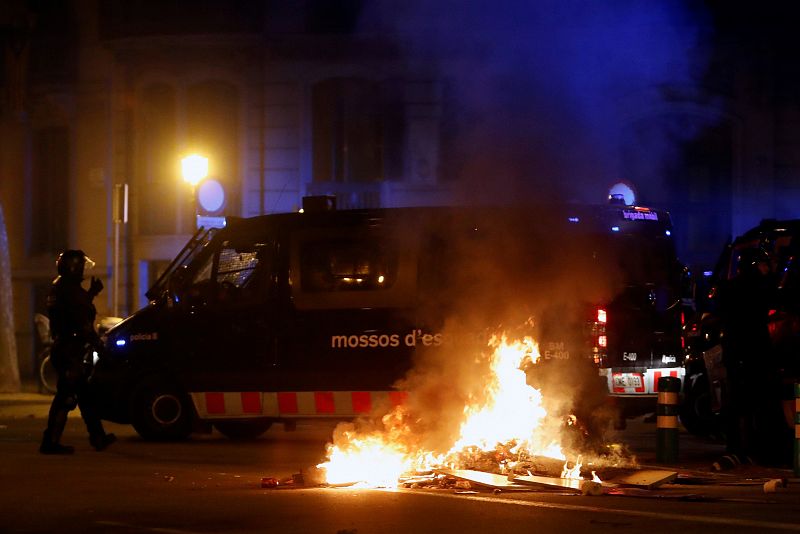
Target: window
<point>346,265</point>
<point>204,273</point>
<point>158,188</point>
<point>135,18</point>
<point>333,16</point>
<point>347,131</point>
<point>50,191</point>
<point>236,267</point>
<point>55,30</point>
<point>235,274</point>
<point>212,128</point>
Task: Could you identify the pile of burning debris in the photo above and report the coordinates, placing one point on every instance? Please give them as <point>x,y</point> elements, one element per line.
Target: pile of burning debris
<point>492,433</point>
<point>538,475</point>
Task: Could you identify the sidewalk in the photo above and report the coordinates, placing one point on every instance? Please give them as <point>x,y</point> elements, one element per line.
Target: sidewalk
<point>695,456</point>
<point>25,404</point>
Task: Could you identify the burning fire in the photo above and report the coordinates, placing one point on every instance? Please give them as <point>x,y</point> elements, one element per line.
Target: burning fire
<point>506,416</point>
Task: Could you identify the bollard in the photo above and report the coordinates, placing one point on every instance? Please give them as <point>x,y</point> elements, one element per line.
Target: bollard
<point>797,430</point>
<point>667,419</point>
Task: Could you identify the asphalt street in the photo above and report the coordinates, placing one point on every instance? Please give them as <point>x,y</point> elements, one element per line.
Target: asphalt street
<point>212,484</point>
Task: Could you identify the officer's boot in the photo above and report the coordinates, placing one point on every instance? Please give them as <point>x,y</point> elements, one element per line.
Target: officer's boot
<point>97,435</point>
<point>56,422</point>
<point>50,444</point>
<point>101,441</point>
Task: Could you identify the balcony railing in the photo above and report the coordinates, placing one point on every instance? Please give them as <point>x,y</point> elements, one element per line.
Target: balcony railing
<point>351,195</point>
<point>386,194</point>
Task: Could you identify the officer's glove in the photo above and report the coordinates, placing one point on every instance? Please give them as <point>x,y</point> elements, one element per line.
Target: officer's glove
<point>95,287</point>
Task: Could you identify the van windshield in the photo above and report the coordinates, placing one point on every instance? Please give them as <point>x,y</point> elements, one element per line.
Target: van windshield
<point>184,257</point>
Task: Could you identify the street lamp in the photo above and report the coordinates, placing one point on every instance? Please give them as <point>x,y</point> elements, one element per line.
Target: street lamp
<point>194,168</point>
<point>208,195</point>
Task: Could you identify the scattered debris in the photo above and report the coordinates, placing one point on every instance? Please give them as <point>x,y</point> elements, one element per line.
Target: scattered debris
<point>542,482</point>
<point>269,482</point>
<point>693,480</point>
<point>617,482</point>
<point>284,483</point>
<point>591,488</point>
<point>418,480</point>
<point>646,478</point>
<point>773,485</point>
<point>312,476</point>
<point>639,492</point>
<point>482,478</point>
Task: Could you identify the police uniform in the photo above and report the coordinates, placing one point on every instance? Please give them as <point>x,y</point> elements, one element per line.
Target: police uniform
<point>72,316</point>
<point>752,374</point>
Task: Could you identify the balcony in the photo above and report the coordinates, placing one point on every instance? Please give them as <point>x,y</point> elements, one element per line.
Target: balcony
<point>382,194</point>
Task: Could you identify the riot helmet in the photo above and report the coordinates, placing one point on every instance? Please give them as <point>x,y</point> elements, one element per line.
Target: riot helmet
<point>72,263</point>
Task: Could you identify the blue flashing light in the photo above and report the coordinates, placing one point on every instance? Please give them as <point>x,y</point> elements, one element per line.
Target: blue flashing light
<point>120,342</point>
<point>707,273</point>
<point>668,233</point>
<point>615,228</point>
<point>574,219</point>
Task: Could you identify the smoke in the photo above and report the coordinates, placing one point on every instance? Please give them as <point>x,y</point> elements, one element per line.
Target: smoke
<point>544,102</point>
<point>513,271</point>
<point>539,95</point>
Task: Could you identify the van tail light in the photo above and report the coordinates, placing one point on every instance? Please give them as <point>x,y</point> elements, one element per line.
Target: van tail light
<point>598,337</point>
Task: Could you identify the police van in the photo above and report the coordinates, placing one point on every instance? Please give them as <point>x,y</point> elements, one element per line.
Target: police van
<point>318,314</point>
<point>704,386</point>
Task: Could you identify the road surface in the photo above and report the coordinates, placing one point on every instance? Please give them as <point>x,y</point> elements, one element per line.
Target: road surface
<point>212,484</point>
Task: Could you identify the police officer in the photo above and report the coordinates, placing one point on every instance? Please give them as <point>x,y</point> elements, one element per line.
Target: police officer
<point>743,303</point>
<point>72,316</point>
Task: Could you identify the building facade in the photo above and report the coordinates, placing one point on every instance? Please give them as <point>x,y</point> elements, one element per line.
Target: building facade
<point>289,99</point>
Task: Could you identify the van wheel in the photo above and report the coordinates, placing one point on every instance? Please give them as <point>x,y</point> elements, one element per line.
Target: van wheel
<point>243,429</point>
<point>161,411</point>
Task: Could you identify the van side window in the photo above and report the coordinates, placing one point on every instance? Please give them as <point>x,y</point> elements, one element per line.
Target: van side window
<point>236,267</point>
<point>346,265</point>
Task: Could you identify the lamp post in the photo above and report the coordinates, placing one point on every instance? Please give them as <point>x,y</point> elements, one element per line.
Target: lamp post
<point>120,216</point>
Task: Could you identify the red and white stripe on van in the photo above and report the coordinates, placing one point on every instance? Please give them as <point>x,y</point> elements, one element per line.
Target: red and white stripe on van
<point>244,404</point>
<point>624,382</point>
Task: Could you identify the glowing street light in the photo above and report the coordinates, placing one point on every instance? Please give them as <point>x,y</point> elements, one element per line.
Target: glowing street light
<point>194,168</point>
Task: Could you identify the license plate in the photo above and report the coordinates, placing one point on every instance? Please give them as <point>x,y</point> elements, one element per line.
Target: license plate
<point>627,380</point>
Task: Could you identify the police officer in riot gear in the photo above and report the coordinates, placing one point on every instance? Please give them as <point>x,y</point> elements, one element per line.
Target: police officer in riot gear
<point>750,400</point>
<point>72,316</point>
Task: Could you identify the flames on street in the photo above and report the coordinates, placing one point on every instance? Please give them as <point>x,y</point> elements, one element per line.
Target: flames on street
<point>503,420</point>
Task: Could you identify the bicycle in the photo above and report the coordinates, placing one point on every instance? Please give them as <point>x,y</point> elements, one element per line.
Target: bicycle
<point>46,373</point>
<point>48,378</point>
